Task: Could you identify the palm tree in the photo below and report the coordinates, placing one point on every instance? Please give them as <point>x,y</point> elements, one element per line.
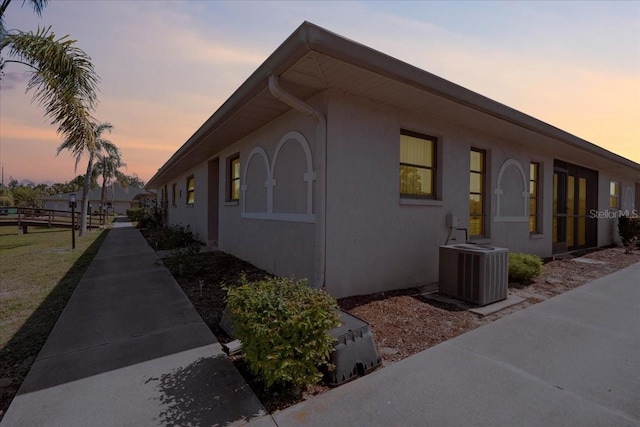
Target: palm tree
<point>63,79</point>
<point>37,5</point>
<point>78,149</point>
<point>109,162</point>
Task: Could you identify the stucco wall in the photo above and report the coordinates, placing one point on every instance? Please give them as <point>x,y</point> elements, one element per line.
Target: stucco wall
<point>272,240</point>
<point>195,216</point>
<point>607,215</point>
<point>376,241</point>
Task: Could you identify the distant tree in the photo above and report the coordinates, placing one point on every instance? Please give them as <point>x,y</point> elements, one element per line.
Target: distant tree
<point>26,197</point>
<point>13,183</point>
<point>134,181</point>
<point>81,147</point>
<point>6,198</point>
<point>109,162</point>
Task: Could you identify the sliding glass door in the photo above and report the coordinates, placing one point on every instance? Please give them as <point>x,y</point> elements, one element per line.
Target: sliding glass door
<point>575,194</point>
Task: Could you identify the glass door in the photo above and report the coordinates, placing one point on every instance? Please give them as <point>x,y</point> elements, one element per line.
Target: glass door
<point>574,194</point>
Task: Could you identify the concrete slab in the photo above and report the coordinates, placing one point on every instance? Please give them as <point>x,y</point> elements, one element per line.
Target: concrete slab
<point>571,356</point>
<point>130,349</point>
<point>538,366</point>
<point>447,386</point>
<point>188,388</point>
<point>497,306</point>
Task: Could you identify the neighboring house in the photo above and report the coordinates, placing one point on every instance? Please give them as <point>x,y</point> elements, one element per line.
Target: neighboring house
<point>118,199</point>
<point>340,164</point>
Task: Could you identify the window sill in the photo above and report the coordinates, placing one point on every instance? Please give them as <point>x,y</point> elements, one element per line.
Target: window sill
<point>420,202</point>
<point>536,236</point>
<point>232,203</point>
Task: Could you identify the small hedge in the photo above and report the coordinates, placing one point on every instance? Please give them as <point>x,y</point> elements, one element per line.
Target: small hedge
<point>629,228</point>
<point>174,237</point>
<point>284,328</point>
<point>146,219</point>
<point>523,268</point>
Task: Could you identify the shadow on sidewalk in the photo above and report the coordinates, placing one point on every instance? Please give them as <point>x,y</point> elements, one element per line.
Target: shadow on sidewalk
<point>190,398</point>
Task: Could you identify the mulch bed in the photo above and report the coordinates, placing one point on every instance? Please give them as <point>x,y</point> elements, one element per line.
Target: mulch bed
<point>403,322</point>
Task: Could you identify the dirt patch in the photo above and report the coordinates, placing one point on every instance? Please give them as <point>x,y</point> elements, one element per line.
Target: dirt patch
<point>403,322</point>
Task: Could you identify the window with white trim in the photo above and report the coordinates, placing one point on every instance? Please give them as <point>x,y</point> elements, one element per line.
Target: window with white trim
<point>417,165</point>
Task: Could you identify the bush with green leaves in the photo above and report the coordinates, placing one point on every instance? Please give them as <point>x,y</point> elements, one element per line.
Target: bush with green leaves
<point>284,328</point>
<point>148,219</point>
<point>173,237</point>
<point>629,228</point>
<point>523,268</point>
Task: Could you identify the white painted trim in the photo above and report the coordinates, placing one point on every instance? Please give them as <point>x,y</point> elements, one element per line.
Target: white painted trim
<point>510,219</point>
<point>628,202</point>
<point>499,193</point>
<point>421,202</point>
<point>310,175</point>
<point>243,189</point>
<point>270,182</point>
<point>289,217</point>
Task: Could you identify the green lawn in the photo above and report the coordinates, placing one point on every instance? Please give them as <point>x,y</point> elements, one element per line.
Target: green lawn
<point>38,273</point>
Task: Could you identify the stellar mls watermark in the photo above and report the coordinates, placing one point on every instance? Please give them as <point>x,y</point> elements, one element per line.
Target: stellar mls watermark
<point>613,213</point>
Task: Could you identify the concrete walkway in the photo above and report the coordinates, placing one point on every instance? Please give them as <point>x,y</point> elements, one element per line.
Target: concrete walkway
<point>573,360</point>
<point>130,350</point>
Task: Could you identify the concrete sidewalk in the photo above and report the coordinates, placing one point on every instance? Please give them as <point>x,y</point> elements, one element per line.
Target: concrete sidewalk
<point>573,360</point>
<point>130,350</point>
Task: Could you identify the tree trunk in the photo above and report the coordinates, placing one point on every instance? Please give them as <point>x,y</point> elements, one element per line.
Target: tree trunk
<point>85,198</point>
<point>103,194</point>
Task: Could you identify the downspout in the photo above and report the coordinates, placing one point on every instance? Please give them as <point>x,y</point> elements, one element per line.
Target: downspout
<point>321,180</point>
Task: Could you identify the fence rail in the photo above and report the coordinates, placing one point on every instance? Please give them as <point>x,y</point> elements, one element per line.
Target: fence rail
<point>24,217</point>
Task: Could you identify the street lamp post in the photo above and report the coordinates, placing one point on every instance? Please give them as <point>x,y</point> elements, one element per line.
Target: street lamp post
<point>72,205</point>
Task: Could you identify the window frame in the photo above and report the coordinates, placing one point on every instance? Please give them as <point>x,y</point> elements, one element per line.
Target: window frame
<point>482,193</point>
<point>535,198</point>
<point>231,179</point>
<point>191,191</point>
<point>433,168</point>
<point>614,194</point>
<point>174,194</point>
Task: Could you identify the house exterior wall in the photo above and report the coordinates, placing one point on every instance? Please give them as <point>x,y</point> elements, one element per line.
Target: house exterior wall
<point>608,215</point>
<point>192,215</point>
<point>377,241</point>
<point>271,226</point>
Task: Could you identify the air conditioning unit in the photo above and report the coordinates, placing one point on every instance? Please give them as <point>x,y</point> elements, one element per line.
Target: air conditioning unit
<point>474,273</point>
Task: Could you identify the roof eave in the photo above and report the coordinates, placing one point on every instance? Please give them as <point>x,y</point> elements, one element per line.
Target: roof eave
<point>309,37</point>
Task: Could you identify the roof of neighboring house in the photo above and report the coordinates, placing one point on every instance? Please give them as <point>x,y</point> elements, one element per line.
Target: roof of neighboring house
<point>313,60</point>
<point>114,193</point>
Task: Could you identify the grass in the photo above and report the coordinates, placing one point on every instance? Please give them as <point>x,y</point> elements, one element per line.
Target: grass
<point>38,273</point>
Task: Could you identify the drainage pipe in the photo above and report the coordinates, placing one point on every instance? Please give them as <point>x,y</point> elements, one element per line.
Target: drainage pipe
<point>321,176</point>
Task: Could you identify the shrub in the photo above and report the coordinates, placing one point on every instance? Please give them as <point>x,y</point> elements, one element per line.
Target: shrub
<point>523,267</point>
<point>174,237</point>
<point>284,328</point>
<point>629,229</point>
<point>148,219</point>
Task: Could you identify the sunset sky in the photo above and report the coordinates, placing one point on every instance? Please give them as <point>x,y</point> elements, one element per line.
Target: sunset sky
<point>166,66</point>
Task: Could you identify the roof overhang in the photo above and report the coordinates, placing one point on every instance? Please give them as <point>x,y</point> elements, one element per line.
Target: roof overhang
<point>313,60</point>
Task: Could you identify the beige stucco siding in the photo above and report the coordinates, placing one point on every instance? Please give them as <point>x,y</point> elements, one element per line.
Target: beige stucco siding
<point>376,241</point>
<point>195,215</point>
<point>270,240</point>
